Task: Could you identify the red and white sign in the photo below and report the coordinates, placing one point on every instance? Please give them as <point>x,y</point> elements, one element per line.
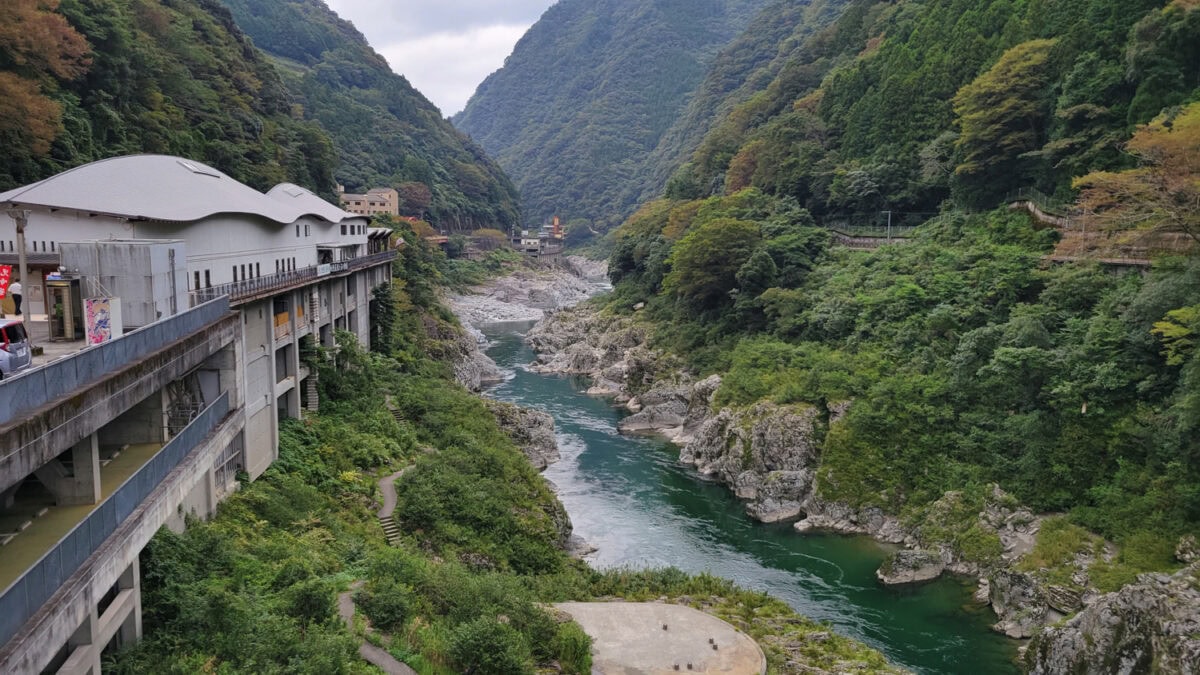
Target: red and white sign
<point>5,280</point>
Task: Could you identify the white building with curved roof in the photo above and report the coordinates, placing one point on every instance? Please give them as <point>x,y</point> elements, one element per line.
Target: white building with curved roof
<point>170,413</point>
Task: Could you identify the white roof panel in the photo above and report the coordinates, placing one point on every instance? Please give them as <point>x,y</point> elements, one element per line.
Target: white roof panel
<point>161,187</point>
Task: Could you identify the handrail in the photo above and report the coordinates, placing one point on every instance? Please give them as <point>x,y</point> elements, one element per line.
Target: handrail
<point>25,596</point>
<point>37,386</point>
<point>247,288</point>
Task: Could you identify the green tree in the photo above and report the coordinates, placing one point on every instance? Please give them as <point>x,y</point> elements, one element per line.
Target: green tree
<point>704,263</point>
<point>1002,116</point>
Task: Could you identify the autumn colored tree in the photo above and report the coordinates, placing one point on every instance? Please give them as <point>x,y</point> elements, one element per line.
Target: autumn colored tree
<point>1001,116</point>
<point>36,46</point>
<point>1163,193</point>
<point>415,198</point>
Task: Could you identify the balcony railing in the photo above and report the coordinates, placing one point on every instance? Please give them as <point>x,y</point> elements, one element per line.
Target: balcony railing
<point>249,288</point>
<point>25,596</point>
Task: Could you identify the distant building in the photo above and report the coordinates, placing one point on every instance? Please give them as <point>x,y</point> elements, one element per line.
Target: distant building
<point>375,201</point>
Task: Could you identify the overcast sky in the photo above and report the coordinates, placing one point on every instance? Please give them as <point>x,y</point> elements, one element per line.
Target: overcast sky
<point>444,47</point>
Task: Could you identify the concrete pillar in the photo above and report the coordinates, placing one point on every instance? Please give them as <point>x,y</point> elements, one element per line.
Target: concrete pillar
<point>81,485</point>
<point>83,653</point>
<point>85,456</point>
<point>131,580</point>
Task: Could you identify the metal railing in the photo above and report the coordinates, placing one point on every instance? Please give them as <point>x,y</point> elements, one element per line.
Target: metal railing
<point>372,259</point>
<point>238,290</point>
<point>36,387</point>
<point>248,288</point>
<point>25,596</point>
<point>1048,205</point>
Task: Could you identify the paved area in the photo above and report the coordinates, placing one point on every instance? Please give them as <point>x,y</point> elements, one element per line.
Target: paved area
<point>39,331</point>
<point>369,652</point>
<point>388,487</point>
<point>628,639</point>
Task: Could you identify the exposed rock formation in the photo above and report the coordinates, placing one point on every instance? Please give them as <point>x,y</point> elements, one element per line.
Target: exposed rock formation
<point>1152,625</point>
<point>1020,601</point>
<point>531,430</point>
<point>910,567</point>
<point>526,294</point>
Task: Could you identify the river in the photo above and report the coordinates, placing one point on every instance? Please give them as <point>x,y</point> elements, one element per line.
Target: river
<point>629,497</point>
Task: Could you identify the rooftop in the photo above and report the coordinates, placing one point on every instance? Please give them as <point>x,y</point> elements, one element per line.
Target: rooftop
<point>167,188</point>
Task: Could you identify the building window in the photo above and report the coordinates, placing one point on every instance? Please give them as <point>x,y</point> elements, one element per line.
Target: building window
<point>52,247</point>
<point>306,229</point>
<point>343,230</point>
<point>196,276</point>
<point>297,229</point>
<point>258,269</point>
<point>235,276</point>
<point>207,279</point>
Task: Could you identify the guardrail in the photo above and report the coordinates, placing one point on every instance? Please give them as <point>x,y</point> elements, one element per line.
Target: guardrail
<point>25,596</point>
<point>38,386</point>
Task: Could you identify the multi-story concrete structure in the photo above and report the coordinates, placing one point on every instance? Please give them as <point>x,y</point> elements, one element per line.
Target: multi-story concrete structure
<point>100,449</point>
<point>375,201</point>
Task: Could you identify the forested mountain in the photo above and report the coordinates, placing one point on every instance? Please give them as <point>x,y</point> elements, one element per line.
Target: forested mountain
<point>590,90</point>
<point>386,133</point>
<point>743,69</point>
<point>901,105</point>
<point>85,79</point>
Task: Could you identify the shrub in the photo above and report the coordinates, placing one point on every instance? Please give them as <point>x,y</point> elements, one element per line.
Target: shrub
<point>487,646</point>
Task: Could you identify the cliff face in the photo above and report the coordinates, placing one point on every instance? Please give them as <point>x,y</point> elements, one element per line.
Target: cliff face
<point>1149,626</point>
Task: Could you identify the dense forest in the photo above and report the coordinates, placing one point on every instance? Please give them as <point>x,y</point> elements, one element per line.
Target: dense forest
<point>589,91</point>
<point>900,106</point>
<point>386,133</point>
<point>465,588</point>
<point>970,360</point>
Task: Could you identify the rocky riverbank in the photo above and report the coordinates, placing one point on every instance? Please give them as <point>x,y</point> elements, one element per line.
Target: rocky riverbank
<point>769,455</point>
<point>524,295</point>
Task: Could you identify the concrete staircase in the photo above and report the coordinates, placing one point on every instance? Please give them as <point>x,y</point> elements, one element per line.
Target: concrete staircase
<point>390,530</point>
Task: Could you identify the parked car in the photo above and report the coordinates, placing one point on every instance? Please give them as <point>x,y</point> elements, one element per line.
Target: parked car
<point>15,354</point>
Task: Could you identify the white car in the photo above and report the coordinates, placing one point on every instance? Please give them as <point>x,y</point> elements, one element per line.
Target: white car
<point>15,355</point>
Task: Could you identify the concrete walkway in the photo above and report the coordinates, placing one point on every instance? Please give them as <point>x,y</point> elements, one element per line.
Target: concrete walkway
<point>387,486</point>
<point>377,657</point>
<point>369,652</point>
<point>652,638</point>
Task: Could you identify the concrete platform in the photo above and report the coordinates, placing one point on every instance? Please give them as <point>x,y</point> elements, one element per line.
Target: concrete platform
<point>45,531</point>
<point>628,639</point>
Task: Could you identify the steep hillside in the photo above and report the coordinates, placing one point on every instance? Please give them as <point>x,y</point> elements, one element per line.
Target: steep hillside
<point>590,90</point>
<point>899,106</point>
<point>386,133</point>
<point>110,77</point>
<point>743,69</point>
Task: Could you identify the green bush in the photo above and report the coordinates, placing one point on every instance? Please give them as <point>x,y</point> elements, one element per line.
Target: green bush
<point>486,646</point>
<point>573,649</point>
<point>387,603</point>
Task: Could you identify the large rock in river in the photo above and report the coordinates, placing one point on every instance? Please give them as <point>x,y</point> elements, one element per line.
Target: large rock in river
<point>910,567</point>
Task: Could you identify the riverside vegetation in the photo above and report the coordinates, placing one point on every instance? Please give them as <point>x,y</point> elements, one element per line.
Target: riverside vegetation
<point>466,588</point>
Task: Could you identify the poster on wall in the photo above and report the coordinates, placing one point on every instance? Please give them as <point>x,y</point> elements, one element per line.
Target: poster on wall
<point>102,317</point>
<point>5,280</point>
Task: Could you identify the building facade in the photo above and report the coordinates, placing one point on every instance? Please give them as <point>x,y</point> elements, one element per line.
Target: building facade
<point>100,449</point>
<point>376,201</point>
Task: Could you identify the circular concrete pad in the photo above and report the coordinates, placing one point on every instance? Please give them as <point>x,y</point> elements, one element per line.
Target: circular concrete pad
<point>628,639</point>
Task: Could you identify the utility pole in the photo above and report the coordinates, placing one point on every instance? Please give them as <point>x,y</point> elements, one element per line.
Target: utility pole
<point>889,226</point>
<point>21,218</point>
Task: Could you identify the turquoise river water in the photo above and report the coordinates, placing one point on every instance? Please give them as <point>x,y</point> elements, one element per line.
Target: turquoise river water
<point>629,497</point>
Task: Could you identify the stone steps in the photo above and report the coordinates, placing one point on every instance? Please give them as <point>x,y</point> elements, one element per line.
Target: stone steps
<point>390,530</point>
